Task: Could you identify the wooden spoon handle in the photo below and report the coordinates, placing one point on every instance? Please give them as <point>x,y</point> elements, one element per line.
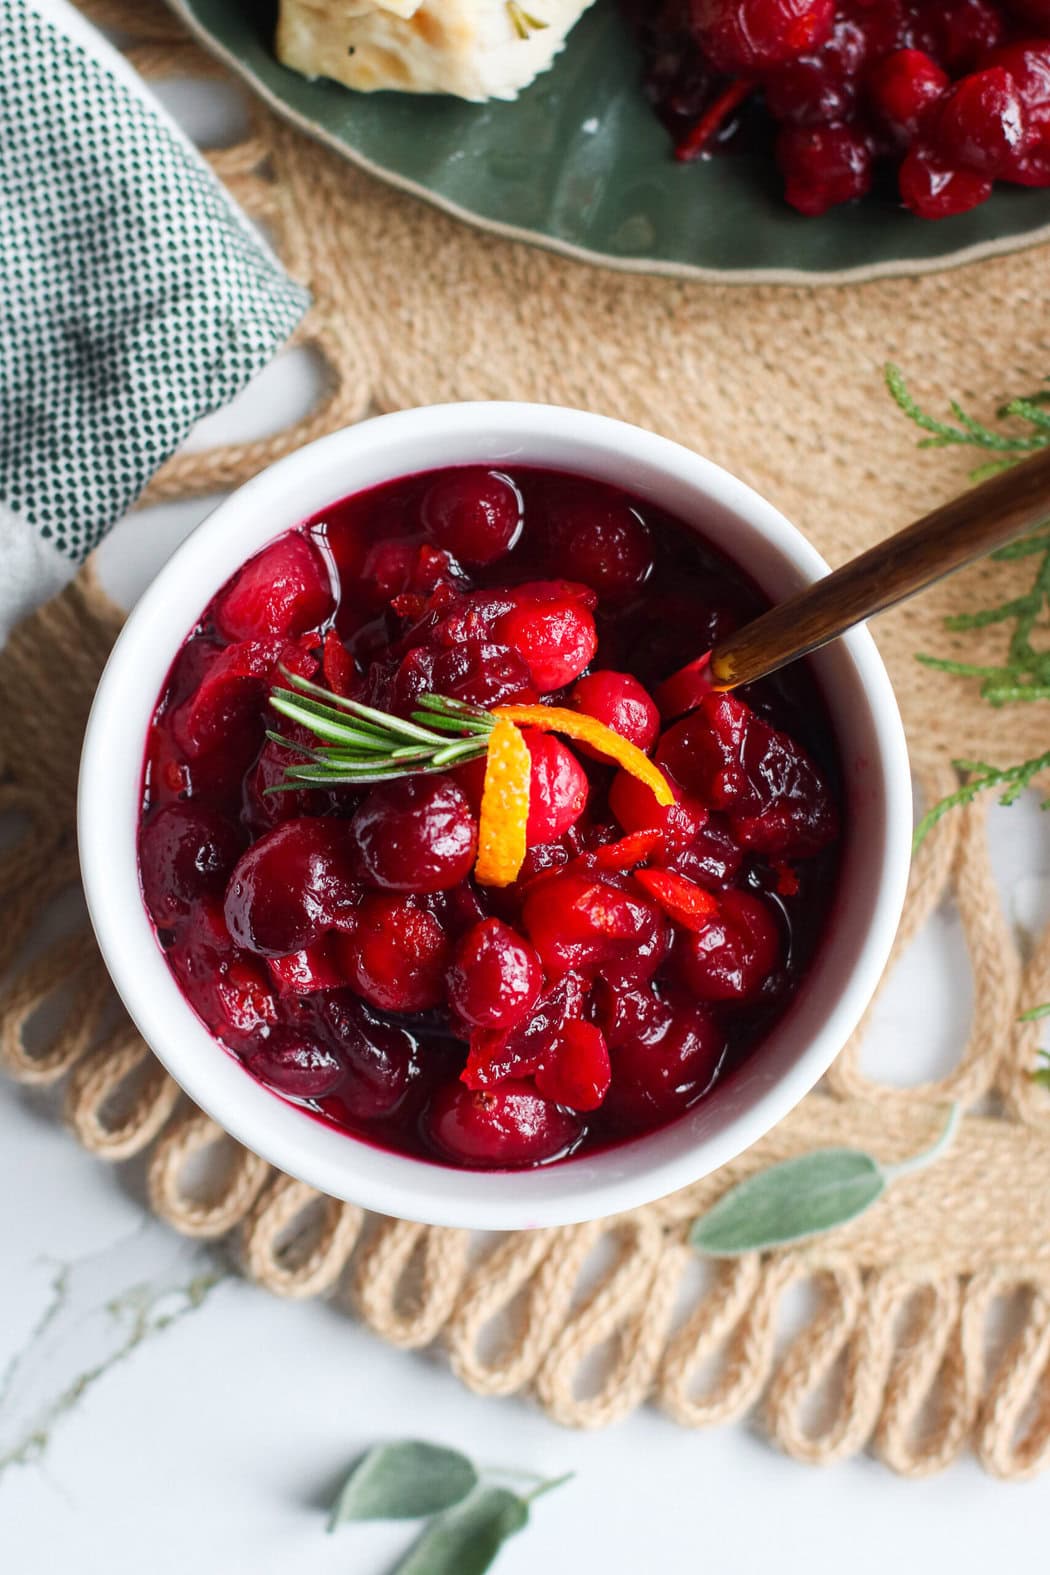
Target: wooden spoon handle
<point>935,546</point>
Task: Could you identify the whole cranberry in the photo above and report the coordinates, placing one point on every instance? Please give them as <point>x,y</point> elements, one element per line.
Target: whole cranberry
<point>981,124</point>
<point>1028,63</point>
<point>415,834</point>
<point>901,88</point>
<point>745,37</point>
<point>379,1058</point>
<point>498,1128</point>
<point>185,852</point>
<point>934,189</point>
<point>482,673</point>
<point>821,88</point>
<point>729,959</point>
<point>603,542</point>
<point>661,1069</point>
<point>294,883</point>
<point>296,1064</point>
<point>474,514</point>
<point>495,978</point>
<point>962,31</point>
<point>397,955</point>
<point>576,1072</point>
<point>712,858</point>
<point>823,166</point>
<point>306,972</point>
<point>244,997</point>
<point>620,702</point>
<point>501,1056</point>
<point>557,788</point>
<point>578,924</point>
<point>557,640</point>
<point>636,808</point>
<point>283,590</point>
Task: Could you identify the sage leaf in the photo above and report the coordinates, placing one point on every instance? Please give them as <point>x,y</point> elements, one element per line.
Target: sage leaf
<point>404,1481</point>
<point>466,1540</point>
<point>788,1202</point>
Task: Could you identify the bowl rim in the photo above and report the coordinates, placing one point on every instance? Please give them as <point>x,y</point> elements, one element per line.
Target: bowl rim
<point>352,1169</point>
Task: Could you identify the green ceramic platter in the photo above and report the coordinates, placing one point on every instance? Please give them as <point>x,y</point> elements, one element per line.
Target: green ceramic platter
<point>579,163</point>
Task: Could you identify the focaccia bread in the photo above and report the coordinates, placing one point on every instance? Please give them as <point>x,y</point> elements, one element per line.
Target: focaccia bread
<point>474,49</point>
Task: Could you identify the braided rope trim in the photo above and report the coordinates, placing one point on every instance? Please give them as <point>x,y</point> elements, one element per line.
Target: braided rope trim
<point>895,1353</point>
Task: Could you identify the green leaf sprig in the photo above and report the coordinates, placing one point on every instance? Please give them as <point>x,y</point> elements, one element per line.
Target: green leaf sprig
<point>1024,675</point>
<point>804,1197</point>
<point>469,1520</point>
<point>358,744</point>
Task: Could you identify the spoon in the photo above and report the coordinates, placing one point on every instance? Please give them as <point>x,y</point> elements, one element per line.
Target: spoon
<point>915,558</point>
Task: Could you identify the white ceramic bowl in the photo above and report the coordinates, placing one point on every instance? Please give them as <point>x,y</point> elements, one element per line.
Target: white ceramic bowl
<point>740,1110</point>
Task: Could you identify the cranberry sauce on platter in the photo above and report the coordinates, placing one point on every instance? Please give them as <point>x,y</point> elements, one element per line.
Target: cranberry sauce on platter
<point>489,945</point>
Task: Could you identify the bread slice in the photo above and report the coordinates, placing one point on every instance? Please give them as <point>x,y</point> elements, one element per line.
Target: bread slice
<point>473,49</point>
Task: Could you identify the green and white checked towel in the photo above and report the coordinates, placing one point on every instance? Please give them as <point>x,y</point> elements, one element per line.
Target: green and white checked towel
<point>134,296</point>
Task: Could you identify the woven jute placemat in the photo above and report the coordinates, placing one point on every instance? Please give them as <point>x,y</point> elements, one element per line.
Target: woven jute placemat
<point>903,1350</point>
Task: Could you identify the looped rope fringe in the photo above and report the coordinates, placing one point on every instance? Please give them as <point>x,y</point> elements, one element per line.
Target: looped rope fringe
<point>898,1353</point>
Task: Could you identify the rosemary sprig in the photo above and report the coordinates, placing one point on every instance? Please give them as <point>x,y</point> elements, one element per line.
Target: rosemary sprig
<point>360,744</point>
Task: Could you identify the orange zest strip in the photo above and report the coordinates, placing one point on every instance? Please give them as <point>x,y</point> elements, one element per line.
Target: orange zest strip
<point>587,730</point>
<point>504,807</point>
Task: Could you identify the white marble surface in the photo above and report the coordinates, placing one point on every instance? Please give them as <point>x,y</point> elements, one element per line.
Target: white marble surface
<point>159,1415</point>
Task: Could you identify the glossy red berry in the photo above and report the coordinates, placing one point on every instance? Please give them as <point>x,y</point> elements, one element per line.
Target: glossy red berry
<point>620,702</point>
<point>495,977</point>
<point>306,972</point>
<point>934,189</point>
<point>746,37</point>
<point>823,166</point>
<point>663,1064</point>
<point>186,852</point>
<point>379,1058</point>
<point>963,31</point>
<point>819,89</point>
<point>415,834</point>
<point>556,639</point>
<point>576,1070</point>
<point>981,124</point>
<point>474,514</point>
<point>482,673</point>
<point>557,788</point>
<point>397,955</point>
<point>604,543</point>
<point>729,958</point>
<point>284,590</point>
<point>578,924</point>
<point>902,87</point>
<point>296,1064</point>
<point>290,886</point>
<point>500,1128</point>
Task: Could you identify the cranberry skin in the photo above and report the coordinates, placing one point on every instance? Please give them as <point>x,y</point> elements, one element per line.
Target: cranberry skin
<point>578,924</point>
<point>557,788</point>
<point>380,1058</point>
<point>729,959</point>
<point>482,673</point>
<point>1037,12</point>
<point>604,544</point>
<point>576,1073</point>
<point>284,590</point>
<point>499,1128</point>
<point>963,31</point>
<point>823,166</point>
<point>474,514</point>
<point>1028,63</point>
<point>290,886</point>
<point>776,799</point>
<point>933,189</point>
<point>712,859</point>
<point>635,807</point>
<point>185,852</point>
<point>664,1067</point>
<point>556,639</point>
<point>981,126</point>
<point>397,955</point>
<point>496,977</point>
<point>742,37</point>
<point>304,973</point>
<point>416,834</point>
<point>901,88</point>
<point>296,1065</point>
<point>819,89</point>
<point>620,702</point>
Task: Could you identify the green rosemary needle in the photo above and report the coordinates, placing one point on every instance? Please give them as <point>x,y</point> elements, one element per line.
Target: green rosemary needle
<point>357,743</point>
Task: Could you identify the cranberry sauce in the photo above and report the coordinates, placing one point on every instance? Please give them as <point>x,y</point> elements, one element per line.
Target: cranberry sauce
<point>335,939</point>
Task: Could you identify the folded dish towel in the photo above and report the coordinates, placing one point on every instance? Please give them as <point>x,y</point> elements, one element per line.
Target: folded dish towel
<point>134,296</point>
